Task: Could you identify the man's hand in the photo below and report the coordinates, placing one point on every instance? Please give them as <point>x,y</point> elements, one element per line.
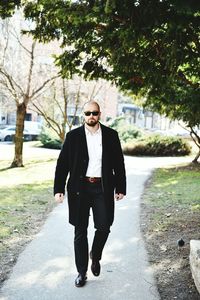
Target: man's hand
<point>119,196</point>
<point>59,197</point>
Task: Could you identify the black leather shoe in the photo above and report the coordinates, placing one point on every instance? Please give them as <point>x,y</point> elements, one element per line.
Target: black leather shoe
<point>95,267</point>
<point>80,280</point>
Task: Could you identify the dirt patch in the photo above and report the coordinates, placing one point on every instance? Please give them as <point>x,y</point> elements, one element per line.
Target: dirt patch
<point>170,262</point>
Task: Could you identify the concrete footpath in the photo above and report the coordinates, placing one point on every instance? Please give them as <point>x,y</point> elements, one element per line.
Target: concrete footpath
<point>45,269</point>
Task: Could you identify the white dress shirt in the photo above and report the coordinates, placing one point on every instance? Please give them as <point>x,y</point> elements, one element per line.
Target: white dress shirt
<point>94,145</point>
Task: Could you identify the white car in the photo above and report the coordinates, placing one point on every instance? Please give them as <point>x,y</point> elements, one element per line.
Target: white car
<point>7,134</point>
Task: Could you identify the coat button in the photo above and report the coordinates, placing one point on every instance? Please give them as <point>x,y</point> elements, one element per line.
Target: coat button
<point>81,176</point>
<point>77,193</point>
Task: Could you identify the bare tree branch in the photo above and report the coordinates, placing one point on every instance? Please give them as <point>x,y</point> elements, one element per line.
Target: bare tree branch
<point>11,80</point>
<point>52,123</point>
<point>43,85</point>
<point>192,134</point>
<point>30,69</point>
<point>10,91</point>
<point>57,101</point>
<point>6,46</point>
<point>14,33</point>
<point>65,96</point>
<point>94,93</point>
<point>41,93</point>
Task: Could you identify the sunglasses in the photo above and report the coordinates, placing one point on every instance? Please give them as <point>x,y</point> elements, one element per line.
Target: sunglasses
<point>88,113</point>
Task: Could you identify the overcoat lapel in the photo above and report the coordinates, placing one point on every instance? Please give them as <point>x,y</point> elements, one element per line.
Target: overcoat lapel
<point>83,143</point>
<point>103,147</point>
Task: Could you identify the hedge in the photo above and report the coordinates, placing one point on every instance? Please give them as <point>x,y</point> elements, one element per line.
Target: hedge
<point>157,145</point>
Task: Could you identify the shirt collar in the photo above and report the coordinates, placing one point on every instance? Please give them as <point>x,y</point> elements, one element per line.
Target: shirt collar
<point>91,133</point>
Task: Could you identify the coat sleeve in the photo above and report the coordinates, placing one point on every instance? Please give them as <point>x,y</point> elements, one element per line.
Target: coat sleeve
<point>119,167</point>
<point>62,167</point>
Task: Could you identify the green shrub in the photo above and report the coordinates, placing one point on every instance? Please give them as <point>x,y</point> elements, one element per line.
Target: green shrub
<point>49,140</point>
<point>157,145</point>
<point>126,132</point>
<point>117,122</point>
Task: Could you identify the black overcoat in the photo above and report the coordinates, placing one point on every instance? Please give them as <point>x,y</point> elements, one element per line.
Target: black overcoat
<point>73,161</point>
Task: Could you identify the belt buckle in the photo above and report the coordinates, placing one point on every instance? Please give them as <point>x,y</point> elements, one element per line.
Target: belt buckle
<point>92,179</point>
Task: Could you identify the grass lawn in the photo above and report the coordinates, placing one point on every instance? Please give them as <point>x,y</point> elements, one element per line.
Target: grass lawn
<point>20,204</point>
<point>26,199</point>
<point>171,190</point>
<point>170,211</point>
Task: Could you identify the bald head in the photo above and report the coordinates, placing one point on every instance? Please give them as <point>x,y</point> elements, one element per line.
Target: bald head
<point>91,105</point>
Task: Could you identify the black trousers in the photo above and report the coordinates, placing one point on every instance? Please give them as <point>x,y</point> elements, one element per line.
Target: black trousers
<point>92,198</point>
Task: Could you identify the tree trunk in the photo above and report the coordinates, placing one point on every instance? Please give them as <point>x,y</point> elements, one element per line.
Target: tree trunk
<point>63,133</point>
<point>196,139</point>
<point>195,160</point>
<point>18,159</point>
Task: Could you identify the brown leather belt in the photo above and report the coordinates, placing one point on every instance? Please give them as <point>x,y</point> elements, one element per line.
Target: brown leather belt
<point>93,179</point>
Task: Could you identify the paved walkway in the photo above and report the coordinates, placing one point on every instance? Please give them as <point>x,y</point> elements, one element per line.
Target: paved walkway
<point>46,271</point>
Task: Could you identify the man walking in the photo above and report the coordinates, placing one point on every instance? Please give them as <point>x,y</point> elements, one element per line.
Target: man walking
<point>92,157</point>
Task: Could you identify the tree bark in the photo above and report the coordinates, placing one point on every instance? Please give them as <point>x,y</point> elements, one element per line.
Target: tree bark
<point>18,158</point>
<point>195,160</point>
<point>196,139</point>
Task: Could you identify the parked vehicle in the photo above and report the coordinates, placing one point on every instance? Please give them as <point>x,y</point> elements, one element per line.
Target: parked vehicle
<point>34,129</point>
<point>7,134</point>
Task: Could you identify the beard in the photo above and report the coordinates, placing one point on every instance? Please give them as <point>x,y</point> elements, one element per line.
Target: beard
<point>91,122</point>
